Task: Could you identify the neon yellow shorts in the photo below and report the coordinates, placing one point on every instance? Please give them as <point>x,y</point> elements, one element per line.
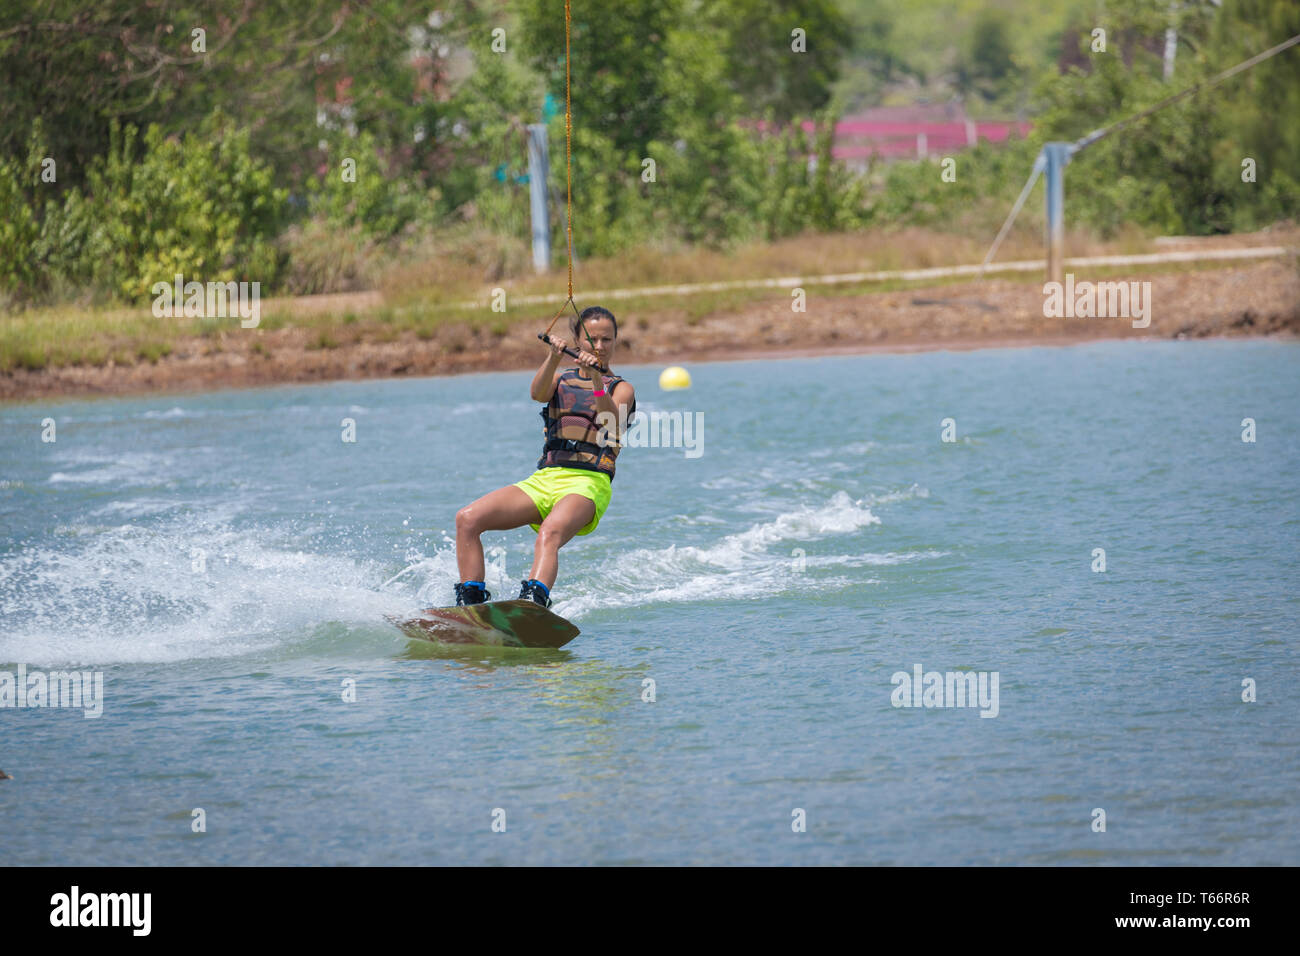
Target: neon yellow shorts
<point>546,486</point>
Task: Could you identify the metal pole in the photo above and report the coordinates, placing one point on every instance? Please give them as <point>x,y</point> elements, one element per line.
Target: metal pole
<point>538,177</point>
<point>1057,156</point>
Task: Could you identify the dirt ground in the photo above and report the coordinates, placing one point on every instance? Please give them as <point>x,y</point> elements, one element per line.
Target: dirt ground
<point>1253,300</point>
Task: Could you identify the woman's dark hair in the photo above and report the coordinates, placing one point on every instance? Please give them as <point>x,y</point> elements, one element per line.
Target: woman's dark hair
<point>592,312</point>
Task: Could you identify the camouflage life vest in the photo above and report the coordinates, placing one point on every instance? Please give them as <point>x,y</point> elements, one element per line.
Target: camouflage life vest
<point>572,433</point>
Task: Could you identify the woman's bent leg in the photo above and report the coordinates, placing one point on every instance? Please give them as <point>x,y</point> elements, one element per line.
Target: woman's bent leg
<point>499,510</point>
<point>570,515</point>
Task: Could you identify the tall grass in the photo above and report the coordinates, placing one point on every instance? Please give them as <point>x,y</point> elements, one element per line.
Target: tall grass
<point>426,297</point>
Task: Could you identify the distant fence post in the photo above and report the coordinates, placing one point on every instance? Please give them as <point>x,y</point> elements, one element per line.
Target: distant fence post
<point>538,176</point>
<point>1057,156</point>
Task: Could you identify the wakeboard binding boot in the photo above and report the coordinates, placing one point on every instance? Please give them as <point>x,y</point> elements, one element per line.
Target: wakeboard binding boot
<point>535,591</point>
<point>472,592</point>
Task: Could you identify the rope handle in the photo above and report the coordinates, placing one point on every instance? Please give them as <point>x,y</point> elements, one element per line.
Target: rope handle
<point>567,351</point>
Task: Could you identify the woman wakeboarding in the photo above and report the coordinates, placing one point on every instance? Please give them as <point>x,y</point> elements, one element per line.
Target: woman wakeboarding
<point>570,490</point>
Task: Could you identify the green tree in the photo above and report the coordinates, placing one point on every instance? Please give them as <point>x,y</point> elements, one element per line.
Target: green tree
<point>986,65</point>
<point>770,67</point>
<point>1179,169</point>
<point>620,75</point>
<point>1259,106</point>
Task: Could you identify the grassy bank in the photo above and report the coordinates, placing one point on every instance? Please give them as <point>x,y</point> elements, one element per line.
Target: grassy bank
<point>430,302</point>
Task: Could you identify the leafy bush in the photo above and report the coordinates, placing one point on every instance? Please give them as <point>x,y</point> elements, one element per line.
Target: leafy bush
<point>357,190</point>
<point>612,209</point>
<point>152,208</point>
<point>19,227</point>
<point>800,195</point>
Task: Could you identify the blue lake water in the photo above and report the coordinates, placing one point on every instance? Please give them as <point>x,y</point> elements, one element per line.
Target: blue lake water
<point>226,561</point>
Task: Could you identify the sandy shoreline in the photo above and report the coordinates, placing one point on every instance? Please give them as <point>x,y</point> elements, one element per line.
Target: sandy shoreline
<point>1255,300</point>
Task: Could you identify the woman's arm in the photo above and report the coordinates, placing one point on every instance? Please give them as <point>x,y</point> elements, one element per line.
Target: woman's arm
<point>621,399</point>
<point>613,408</point>
<point>544,380</point>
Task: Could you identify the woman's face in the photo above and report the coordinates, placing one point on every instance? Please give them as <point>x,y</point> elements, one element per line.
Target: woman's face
<point>601,332</point>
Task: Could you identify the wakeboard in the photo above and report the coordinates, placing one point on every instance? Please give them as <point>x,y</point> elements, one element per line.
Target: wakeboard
<point>517,623</point>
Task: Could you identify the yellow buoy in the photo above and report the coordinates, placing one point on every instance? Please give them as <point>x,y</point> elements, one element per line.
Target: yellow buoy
<point>673,377</point>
